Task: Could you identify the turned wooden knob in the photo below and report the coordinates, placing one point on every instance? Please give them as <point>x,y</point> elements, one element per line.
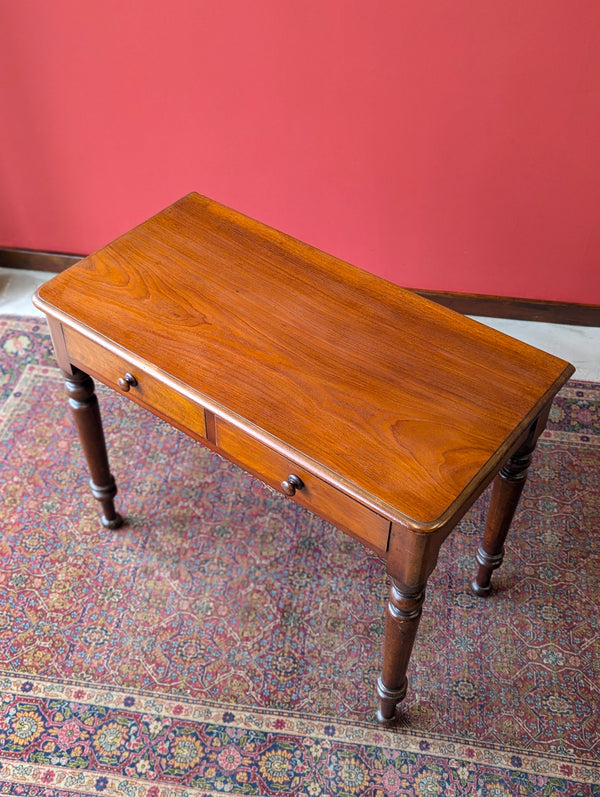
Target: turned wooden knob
<point>291,484</point>
<point>127,381</point>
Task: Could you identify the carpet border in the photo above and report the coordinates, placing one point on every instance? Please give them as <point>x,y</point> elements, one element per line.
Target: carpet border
<point>301,725</point>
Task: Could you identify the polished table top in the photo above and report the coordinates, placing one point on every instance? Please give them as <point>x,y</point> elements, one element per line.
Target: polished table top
<point>398,401</point>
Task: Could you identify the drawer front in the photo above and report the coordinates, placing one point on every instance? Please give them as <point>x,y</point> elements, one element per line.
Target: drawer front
<point>150,392</point>
<point>316,495</point>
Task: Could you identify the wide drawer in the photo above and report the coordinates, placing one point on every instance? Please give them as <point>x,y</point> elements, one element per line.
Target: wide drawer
<point>162,399</point>
<point>316,495</point>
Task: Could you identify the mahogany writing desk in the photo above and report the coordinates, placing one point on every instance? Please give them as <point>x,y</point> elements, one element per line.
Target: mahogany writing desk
<point>378,410</point>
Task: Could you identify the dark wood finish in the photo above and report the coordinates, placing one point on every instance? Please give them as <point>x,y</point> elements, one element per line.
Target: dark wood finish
<point>508,486</point>
<point>374,408</point>
<point>402,622</point>
<point>476,304</point>
<point>518,309</point>
<point>410,560</point>
<point>291,484</point>
<point>127,382</point>
<point>86,415</point>
<point>34,260</point>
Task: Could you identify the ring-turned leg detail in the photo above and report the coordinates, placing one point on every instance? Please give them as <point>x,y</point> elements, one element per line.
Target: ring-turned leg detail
<point>402,622</point>
<point>86,415</point>
<point>506,492</point>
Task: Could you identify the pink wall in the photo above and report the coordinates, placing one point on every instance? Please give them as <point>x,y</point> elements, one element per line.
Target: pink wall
<point>444,144</point>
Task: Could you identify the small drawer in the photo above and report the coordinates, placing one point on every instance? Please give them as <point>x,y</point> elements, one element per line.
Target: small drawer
<point>316,495</point>
<point>161,399</point>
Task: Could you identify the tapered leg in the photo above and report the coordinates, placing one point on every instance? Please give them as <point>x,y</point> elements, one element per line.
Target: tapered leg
<point>86,414</point>
<point>506,492</point>
<point>411,559</point>
<point>402,622</point>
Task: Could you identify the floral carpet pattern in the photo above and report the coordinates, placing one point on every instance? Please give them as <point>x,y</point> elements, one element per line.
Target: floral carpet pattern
<point>225,641</point>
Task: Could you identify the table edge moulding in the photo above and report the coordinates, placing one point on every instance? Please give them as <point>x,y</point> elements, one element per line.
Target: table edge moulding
<point>376,409</point>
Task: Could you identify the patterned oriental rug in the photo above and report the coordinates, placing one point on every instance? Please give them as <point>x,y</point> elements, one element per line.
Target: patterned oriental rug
<point>225,641</point>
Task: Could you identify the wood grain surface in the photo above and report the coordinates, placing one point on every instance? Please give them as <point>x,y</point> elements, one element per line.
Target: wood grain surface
<point>408,401</point>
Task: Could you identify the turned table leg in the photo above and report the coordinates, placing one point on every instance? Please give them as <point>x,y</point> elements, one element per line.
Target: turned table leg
<point>403,615</point>
<point>411,559</point>
<point>506,493</point>
<point>86,415</point>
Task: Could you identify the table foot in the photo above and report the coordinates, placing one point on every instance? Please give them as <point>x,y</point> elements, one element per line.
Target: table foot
<point>112,522</point>
<point>105,493</point>
<point>481,592</point>
<point>388,700</point>
<point>88,422</point>
<point>481,585</point>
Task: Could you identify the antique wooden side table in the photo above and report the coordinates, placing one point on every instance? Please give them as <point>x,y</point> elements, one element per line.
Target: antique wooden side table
<point>378,410</point>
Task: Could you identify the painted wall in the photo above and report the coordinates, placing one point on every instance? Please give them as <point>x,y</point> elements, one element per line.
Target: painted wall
<point>443,144</point>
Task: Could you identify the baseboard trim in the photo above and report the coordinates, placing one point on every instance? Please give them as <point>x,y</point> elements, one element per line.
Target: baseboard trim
<point>36,260</point>
<point>587,315</point>
<point>467,303</point>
